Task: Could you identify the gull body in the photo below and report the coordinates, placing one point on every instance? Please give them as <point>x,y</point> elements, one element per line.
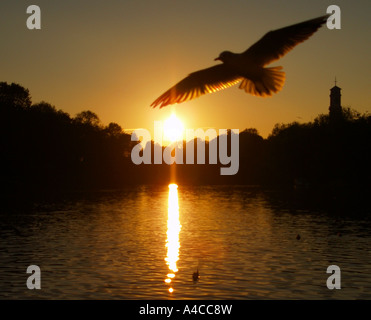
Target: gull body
<point>247,68</point>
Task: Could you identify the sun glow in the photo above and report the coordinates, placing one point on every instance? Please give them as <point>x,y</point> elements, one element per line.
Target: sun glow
<point>173,129</point>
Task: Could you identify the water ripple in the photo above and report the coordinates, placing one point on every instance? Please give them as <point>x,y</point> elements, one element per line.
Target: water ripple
<point>245,247</point>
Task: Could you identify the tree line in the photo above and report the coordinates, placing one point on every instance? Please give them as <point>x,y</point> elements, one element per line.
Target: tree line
<point>45,149</point>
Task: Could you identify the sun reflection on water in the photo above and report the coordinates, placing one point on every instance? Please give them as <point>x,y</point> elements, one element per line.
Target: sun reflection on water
<point>173,229</point>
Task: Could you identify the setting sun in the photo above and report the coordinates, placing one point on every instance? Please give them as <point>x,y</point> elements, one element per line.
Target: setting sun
<point>173,129</point>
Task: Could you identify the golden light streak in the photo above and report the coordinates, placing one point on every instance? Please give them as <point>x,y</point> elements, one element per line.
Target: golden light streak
<point>173,230</point>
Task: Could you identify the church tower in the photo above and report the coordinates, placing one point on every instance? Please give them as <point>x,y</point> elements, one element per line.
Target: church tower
<point>335,102</point>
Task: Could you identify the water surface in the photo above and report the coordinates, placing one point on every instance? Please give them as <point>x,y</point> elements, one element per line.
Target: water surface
<point>144,243</point>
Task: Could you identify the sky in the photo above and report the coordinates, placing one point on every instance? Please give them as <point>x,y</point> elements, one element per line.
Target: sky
<point>115,57</point>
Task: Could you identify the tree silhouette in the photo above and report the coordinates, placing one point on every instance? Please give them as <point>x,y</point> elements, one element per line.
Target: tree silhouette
<point>44,149</point>
<point>14,95</point>
<point>88,118</point>
<point>113,129</point>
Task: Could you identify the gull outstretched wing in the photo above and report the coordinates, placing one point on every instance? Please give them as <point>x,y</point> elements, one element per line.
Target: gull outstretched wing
<point>274,44</point>
<point>198,83</point>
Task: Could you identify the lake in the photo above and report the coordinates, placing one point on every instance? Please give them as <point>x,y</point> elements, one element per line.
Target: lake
<point>146,242</point>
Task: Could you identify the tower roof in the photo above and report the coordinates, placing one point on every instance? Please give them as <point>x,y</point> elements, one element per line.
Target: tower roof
<point>335,88</point>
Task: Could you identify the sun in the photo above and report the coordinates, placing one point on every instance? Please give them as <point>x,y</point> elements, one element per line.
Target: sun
<point>173,129</point>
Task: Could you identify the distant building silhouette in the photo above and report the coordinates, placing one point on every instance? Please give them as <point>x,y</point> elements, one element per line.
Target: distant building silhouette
<point>336,111</point>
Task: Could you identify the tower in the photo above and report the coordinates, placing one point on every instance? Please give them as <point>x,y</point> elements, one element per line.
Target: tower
<point>335,102</point>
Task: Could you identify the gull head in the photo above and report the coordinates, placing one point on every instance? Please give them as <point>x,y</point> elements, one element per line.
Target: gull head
<point>224,56</point>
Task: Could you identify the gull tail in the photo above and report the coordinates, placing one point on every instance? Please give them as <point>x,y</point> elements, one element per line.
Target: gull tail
<point>271,81</point>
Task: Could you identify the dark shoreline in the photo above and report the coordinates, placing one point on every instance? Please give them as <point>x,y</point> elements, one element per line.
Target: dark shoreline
<point>337,200</point>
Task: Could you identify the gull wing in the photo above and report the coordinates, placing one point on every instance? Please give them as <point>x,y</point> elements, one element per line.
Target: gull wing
<point>198,83</point>
<point>274,44</point>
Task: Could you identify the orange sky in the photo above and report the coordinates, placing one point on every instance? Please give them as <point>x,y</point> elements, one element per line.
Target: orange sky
<point>115,57</point>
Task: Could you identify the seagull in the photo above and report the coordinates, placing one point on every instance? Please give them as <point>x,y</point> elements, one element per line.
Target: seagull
<point>196,275</point>
<point>246,68</point>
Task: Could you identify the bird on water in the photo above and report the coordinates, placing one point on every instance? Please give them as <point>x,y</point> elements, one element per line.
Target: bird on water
<point>196,275</point>
<point>247,68</point>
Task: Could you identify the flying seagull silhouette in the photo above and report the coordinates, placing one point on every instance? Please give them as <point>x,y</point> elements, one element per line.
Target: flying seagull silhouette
<point>246,67</point>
